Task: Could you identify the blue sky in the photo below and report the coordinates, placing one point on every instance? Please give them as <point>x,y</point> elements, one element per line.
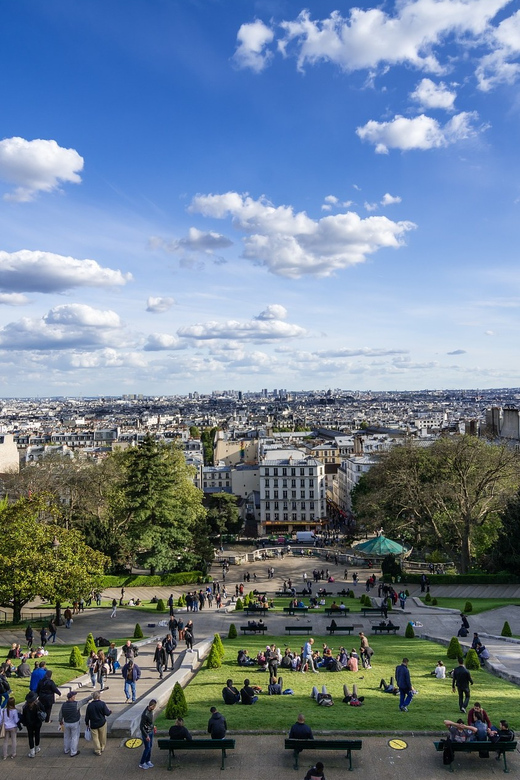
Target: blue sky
<point>225,194</point>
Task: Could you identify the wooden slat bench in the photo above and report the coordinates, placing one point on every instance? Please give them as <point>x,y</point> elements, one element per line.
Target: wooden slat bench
<point>476,747</point>
<point>256,610</point>
<point>296,610</point>
<point>334,612</point>
<point>371,611</point>
<point>339,627</point>
<point>385,629</point>
<point>297,745</point>
<point>171,745</point>
<point>253,629</point>
<point>299,629</point>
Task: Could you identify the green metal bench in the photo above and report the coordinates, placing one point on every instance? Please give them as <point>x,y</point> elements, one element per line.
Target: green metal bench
<point>339,627</point>
<point>297,745</point>
<point>476,747</point>
<point>171,745</point>
<point>299,629</point>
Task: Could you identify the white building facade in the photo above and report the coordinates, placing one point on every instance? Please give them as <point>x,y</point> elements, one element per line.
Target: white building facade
<point>292,495</point>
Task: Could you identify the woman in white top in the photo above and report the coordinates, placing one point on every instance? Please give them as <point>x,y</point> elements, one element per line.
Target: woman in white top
<point>440,671</point>
<point>9,719</point>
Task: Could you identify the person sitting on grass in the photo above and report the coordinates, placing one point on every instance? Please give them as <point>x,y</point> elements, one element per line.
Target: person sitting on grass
<point>440,671</point>
<point>353,661</point>
<point>275,687</point>
<point>249,693</point>
<point>230,694</point>
<point>243,658</point>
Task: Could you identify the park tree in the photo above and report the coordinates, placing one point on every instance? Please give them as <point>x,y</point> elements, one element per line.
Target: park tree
<point>449,495</point>
<point>207,437</point>
<point>158,504</point>
<point>222,514</point>
<point>505,553</point>
<point>40,558</point>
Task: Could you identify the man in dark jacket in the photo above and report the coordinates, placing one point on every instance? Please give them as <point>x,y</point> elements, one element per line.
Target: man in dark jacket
<point>230,694</point>
<point>403,682</point>
<point>147,732</point>
<point>179,731</point>
<point>160,659</point>
<point>300,730</point>
<point>69,719</point>
<point>47,691</point>
<point>217,725</point>
<point>96,719</point>
<point>462,679</point>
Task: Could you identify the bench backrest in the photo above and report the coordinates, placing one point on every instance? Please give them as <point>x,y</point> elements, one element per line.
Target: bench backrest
<point>179,744</point>
<point>324,744</point>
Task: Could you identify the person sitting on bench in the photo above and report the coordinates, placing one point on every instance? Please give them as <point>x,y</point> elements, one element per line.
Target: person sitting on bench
<point>459,732</point>
<point>179,731</point>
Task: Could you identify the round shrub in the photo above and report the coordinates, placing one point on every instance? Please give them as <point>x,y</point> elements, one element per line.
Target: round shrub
<point>177,706</point>
<point>181,601</point>
<point>138,632</point>
<point>468,606</point>
<point>454,649</point>
<point>407,593</point>
<point>232,633</point>
<point>409,632</point>
<point>160,605</point>
<point>239,605</point>
<point>90,646</point>
<point>75,658</point>
<point>434,602</point>
<point>428,598</point>
<point>351,594</point>
<point>506,630</point>
<point>472,661</point>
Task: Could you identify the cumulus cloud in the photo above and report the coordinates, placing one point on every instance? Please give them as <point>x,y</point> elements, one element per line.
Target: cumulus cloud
<point>292,244</point>
<point>389,200</point>
<point>45,272</point>
<point>13,299</point>
<point>159,305</point>
<point>331,199</point>
<point>195,241</point>
<point>68,326</point>
<point>372,39</point>
<point>457,352</point>
<point>431,95</point>
<point>162,341</point>
<point>370,206</point>
<point>265,327</point>
<point>497,67</point>
<point>103,358</point>
<point>421,132</point>
<point>36,166</point>
<point>252,40</point>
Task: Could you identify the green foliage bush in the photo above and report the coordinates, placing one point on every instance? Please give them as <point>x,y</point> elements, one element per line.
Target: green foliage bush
<point>351,594</point>
<point>160,605</point>
<point>214,660</point>
<point>239,605</point>
<point>90,646</point>
<point>428,598</point>
<point>152,580</point>
<point>468,606</point>
<point>434,602</point>
<point>409,632</point>
<point>454,649</point>
<point>506,630</point>
<point>472,661</point>
<point>138,632</point>
<point>407,593</point>
<point>232,633</point>
<point>502,578</point>
<point>177,706</point>
<point>181,601</point>
<point>217,641</point>
<point>76,659</point>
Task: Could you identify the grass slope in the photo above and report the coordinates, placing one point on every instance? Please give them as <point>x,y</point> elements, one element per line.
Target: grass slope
<point>434,703</point>
<point>479,605</point>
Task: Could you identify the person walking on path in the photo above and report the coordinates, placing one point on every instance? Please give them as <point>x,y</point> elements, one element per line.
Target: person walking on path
<point>169,644</point>
<point>462,680</point>
<point>114,608</point>
<point>67,614</point>
<point>147,732</point>
<point>91,667</point>
<point>32,718</point>
<point>52,631</point>
<point>131,674</point>
<point>47,690</point>
<point>402,679</point>
<point>69,718</point>
<point>38,673</point>
<point>9,719</point>
<point>29,636</point>
<point>307,658</point>
<point>188,635</point>
<point>96,720</point>
<point>160,659</point>
<point>101,669</point>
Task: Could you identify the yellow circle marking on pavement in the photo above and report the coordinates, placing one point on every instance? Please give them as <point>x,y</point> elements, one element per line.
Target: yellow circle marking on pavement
<point>133,742</point>
<point>398,744</point>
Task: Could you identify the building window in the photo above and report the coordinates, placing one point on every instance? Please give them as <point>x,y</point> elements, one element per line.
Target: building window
<point>285,506</point>
<point>275,482</point>
<point>285,517</point>
<point>302,472</point>
<point>267,483</point>
<point>267,495</point>
<point>284,483</point>
<point>293,472</point>
<point>293,483</point>
<point>302,494</point>
<point>276,494</point>
<point>284,493</point>
<point>268,505</point>
<point>294,517</point>
<point>268,518</point>
<point>302,483</point>
<point>294,506</point>
<point>293,493</point>
<point>277,518</point>
<point>311,493</point>
<point>284,472</point>
<point>275,472</point>
<point>276,505</point>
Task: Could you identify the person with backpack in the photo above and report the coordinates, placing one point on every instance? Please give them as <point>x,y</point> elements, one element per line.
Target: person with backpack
<point>47,691</point>
<point>32,717</point>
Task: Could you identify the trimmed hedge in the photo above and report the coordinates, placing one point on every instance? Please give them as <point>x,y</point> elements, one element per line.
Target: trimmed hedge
<point>76,659</point>
<point>506,630</point>
<point>152,580</point>
<point>177,706</point>
<point>232,633</point>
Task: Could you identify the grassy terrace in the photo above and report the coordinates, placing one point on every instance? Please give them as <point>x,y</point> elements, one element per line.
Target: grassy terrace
<point>479,605</point>
<point>434,703</point>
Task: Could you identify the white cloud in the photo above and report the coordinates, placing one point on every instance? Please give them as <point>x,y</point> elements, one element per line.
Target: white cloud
<point>70,326</point>
<point>326,207</point>
<point>370,206</point>
<point>389,200</point>
<point>496,67</point>
<point>273,312</point>
<point>457,352</point>
<point>292,244</point>
<point>431,95</point>
<point>159,305</point>
<point>195,241</point>
<point>161,341</point>
<point>421,132</point>
<point>28,271</point>
<point>264,327</point>
<point>331,199</point>
<point>103,358</point>
<point>13,299</point>
<point>36,166</point>
<point>252,40</point>
<point>489,332</point>
<point>363,352</point>
<point>368,39</point>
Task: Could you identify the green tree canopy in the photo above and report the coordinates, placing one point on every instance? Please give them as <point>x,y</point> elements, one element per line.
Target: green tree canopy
<point>223,515</point>
<point>449,495</point>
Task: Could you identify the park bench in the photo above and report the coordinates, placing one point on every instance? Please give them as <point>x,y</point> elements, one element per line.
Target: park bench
<point>338,627</point>
<point>371,611</point>
<point>385,629</point>
<point>256,610</point>
<point>171,745</point>
<point>299,629</point>
<point>342,592</point>
<point>332,612</point>
<point>296,610</point>
<point>476,747</point>
<point>253,629</point>
<point>297,745</point>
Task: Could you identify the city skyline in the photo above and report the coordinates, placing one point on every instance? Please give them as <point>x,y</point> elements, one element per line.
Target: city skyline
<point>214,193</point>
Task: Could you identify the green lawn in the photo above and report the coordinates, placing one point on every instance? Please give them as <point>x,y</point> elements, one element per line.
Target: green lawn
<point>479,605</point>
<point>433,704</point>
